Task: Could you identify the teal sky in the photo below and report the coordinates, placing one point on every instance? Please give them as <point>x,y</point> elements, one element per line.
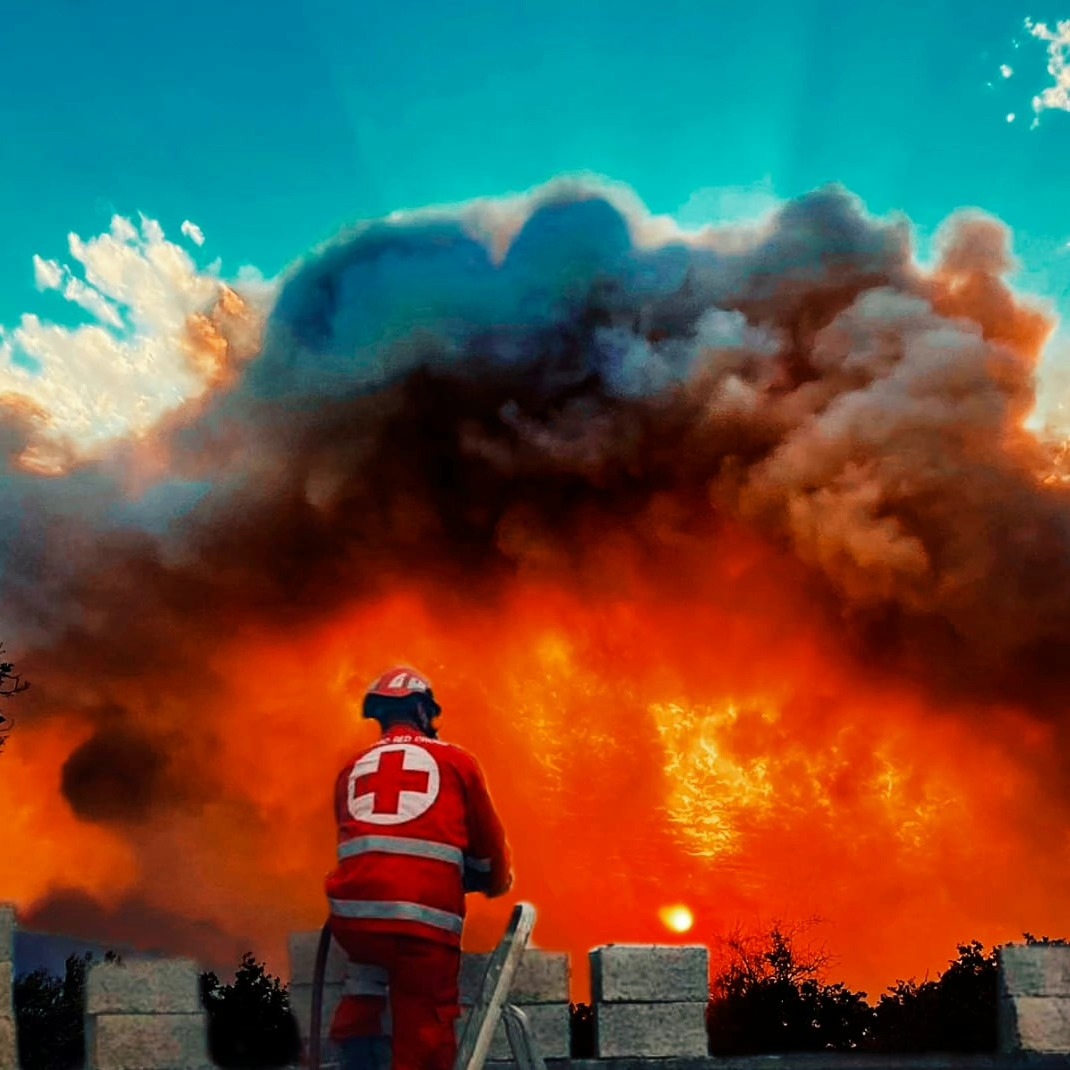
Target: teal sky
<point>272,125</point>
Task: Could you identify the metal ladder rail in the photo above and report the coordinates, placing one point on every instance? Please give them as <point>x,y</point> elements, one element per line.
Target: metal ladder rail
<point>497,980</point>
<point>518,1030</point>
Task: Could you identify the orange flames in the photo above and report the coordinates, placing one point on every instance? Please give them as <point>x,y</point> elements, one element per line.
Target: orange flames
<point>713,752</point>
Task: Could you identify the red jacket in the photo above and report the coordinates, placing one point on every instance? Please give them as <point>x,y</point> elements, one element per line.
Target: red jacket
<point>416,830</point>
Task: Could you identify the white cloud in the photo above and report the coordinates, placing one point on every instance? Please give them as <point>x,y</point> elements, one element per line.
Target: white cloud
<point>47,274</point>
<point>1006,71</point>
<point>118,376</point>
<point>51,275</point>
<point>728,204</point>
<point>1011,117</point>
<point>93,301</point>
<point>1055,97</point>
<point>193,232</point>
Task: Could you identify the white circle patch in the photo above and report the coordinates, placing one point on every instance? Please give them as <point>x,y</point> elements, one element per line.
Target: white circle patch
<point>393,784</point>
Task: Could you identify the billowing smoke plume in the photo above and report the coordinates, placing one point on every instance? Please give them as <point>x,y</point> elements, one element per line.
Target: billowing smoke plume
<point>776,465</point>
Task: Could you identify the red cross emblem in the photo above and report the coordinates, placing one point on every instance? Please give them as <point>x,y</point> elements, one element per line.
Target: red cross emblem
<point>387,783</point>
<point>393,784</point>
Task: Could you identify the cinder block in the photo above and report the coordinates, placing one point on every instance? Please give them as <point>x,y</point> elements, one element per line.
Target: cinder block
<point>8,1047</point>
<point>541,977</point>
<point>1034,1024</point>
<point>1034,970</point>
<point>650,1030</point>
<point>648,973</point>
<point>549,1024</point>
<point>303,959</point>
<point>330,1055</point>
<point>143,986</point>
<point>7,932</point>
<point>301,1007</point>
<point>147,1042</point>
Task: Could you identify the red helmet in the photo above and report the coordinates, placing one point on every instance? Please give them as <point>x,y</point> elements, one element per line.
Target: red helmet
<point>401,682</point>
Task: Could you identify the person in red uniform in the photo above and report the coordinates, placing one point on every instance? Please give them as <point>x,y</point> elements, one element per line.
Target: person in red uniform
<point>416,830</point>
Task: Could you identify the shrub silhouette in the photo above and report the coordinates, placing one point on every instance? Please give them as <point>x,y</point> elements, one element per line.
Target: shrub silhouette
<point>771,999</point>
<point>581,1031</point>
<point>956,1012</point>
<point>249,1020</point>
<point>50,1014</point>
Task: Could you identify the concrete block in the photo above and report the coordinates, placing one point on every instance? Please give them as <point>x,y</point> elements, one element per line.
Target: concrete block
<point>7,932</point>
<point>301,1007</point>
<point>147,1042</point>
<point>330,1055</point>
<point>143,986</point>
<point>1034,970</point>
<point>7,991</point>
<point>1034,1024</point>
<point>8,1047</point>
<point>541,977</point>
<point>549,1024</point>
<point>650,1030</point>
<point>303,959</point>
<point>647,973</point>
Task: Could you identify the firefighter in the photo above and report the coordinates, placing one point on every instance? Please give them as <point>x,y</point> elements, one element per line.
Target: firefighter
<point>416,831</point>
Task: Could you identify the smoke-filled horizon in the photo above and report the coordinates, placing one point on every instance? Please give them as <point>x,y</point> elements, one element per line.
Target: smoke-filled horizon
<point>730,554</point>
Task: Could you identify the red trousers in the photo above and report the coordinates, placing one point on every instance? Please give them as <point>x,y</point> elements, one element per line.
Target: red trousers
<point>421,977</point>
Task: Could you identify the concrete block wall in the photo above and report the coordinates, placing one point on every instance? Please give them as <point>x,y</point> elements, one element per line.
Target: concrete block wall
<point>540,989</point>
<point>650,1001</point>
<point>1034,998</point>
<point>8,1046</point>
<point>145,1015</point>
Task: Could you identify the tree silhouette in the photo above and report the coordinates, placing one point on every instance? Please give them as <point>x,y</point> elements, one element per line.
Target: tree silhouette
<point>50,1015</point>
<point>956,1012</point>
<point>249,1020</point>
<point>770,997</point>
<point>11,683</point>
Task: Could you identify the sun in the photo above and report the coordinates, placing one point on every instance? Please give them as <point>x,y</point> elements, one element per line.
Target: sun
<point>677,918</point>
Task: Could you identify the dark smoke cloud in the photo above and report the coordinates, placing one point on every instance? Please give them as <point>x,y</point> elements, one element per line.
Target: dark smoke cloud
<point>118,774</point>
<point>424,409</point>
<point>134,924</point>
<point>437,407</point>
<point>453,417</point>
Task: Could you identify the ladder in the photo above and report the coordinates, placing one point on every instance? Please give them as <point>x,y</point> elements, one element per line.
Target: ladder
<point>491,1004</point>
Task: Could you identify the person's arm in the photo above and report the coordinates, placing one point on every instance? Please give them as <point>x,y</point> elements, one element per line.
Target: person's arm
<point>487,863</point>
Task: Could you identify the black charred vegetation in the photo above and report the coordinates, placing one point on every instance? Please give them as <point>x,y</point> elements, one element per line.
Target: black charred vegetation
<point>11,684</point>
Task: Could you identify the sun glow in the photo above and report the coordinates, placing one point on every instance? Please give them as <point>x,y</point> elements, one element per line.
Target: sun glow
<point>677,918</point>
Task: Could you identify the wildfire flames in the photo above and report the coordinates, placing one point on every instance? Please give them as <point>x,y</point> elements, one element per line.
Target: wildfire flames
<point>730,557</point>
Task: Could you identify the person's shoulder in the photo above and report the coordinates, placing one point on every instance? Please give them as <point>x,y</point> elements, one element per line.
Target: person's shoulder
<point>453,752</point>
<point>355,756</point>
<point>443,749</point>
